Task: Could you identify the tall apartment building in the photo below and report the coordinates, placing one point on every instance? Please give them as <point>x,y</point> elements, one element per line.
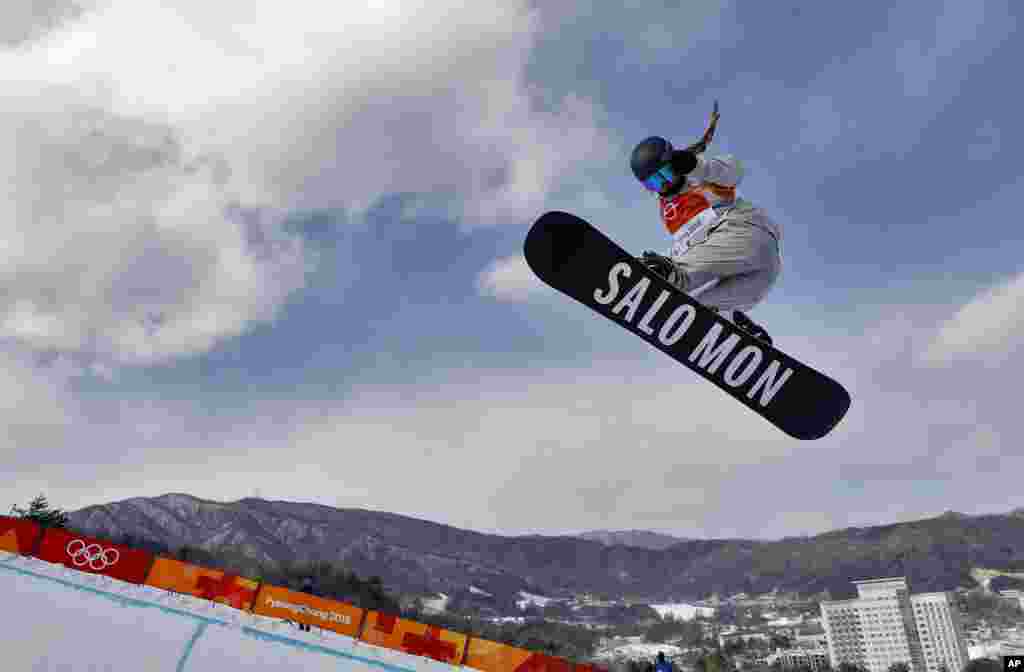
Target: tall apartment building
<point>874,630</point>
<point>941,632</point>
<point>1013,595</point>
<point>885,624</point>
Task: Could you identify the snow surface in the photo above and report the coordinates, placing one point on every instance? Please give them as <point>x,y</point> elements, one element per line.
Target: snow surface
<point>60,619</point>
<point>477,591</point>
<point>682,611</point>
<point>438,604</point>
<point>636,648</point>
<point>530,598</point>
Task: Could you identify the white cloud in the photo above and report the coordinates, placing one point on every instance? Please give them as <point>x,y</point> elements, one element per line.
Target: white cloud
<point>585,438</point>
<point>153,149</point>
<point>510,279</point>
<point>629,443</point>
<point>36,414</point>
<point>29,19</point>
<point>988,329</point>
<point>151,152</point>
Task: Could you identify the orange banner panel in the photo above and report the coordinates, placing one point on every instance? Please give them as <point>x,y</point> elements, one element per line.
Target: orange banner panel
<point>538,662</point>
<point>303,608</point>
<point>96,556</point>
<point>18,535</point>
<point>209,584</point>
<point>494,656</point>
<point>415,638</point>
<point>497,657</point>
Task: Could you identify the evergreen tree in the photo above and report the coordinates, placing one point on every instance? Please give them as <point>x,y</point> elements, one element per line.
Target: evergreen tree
<point>40,511</point>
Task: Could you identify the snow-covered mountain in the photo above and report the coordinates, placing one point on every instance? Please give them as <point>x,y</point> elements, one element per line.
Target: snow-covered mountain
<point>637,538</point>
<point>421,557</point>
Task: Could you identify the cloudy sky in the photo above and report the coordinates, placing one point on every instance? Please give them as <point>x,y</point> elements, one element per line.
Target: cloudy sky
<point>274,250</point>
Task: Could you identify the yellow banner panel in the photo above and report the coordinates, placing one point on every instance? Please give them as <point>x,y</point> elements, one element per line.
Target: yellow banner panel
<point>303,608</point>
<point>415,638</point>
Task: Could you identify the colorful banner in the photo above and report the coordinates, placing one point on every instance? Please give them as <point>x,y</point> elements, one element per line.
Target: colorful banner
<point>210,584</point>
<point>415,638</point>
<point>304,608</point>
<point>491,656</point>
<point>96,556</point>
<point>18,535</point>
<point>587,667</point>
<point>538,662</point>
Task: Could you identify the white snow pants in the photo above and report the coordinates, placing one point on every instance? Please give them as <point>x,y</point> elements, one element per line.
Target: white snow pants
<point>733,269</point>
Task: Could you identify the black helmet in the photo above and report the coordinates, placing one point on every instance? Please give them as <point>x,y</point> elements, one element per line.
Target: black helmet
<point>649,156</point>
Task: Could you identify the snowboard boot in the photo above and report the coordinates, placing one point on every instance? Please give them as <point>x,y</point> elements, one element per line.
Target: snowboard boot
<point>664,267</point>
<point>749,326</point>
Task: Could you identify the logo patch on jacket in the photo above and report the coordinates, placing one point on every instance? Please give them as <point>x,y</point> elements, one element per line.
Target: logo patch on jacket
<point>681,208</point>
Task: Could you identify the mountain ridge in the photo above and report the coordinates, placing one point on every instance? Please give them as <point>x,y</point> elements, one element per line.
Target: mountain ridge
<point>417,556</point>
<point>641,538</point>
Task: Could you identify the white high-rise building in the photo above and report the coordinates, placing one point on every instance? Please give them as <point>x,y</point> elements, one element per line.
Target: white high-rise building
<point>875,630</point>
<point>938,623</point>
<point>1013,595</point>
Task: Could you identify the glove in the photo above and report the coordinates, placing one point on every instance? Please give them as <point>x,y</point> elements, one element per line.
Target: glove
<point>683,162</point>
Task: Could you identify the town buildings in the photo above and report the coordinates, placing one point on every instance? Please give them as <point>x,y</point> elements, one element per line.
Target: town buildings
<point>943,643</point>
<point>885,625</point>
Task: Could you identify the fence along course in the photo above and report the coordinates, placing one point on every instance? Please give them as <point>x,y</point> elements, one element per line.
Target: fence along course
<point>98,556</point>
<point>290,605</point>
<point>18,536</point>
<point>210,584</point>
<point>491,656</point>
<point>413,637</point>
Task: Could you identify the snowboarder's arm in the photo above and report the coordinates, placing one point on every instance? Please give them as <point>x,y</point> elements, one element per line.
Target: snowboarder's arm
<point>726,171</point>
<point>701,145</point>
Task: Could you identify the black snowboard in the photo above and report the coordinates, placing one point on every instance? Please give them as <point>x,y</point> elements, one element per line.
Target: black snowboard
<point>572,256</point>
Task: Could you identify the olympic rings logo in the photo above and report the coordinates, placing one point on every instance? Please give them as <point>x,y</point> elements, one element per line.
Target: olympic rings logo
<point>93,555</point>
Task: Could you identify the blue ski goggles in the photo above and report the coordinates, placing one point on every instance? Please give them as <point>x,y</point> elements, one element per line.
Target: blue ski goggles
<point>660,179</point>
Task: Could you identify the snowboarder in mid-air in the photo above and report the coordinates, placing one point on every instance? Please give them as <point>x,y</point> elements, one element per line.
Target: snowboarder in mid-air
<point>725,252</point>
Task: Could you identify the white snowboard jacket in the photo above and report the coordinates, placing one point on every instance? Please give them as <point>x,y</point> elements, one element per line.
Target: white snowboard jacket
<point>709,199</point>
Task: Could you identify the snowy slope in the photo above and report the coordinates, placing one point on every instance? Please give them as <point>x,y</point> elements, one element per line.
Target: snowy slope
<point>682,611</point>
<point>635,648</point>
<point>58,619</point>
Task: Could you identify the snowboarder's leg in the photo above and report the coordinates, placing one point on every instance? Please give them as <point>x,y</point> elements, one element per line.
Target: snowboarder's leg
<point>732,271</point>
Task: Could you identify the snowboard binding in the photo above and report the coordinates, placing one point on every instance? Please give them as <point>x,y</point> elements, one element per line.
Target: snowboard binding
<point>666,268</point>
<point>662,266</point>
<point>751,327</point>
